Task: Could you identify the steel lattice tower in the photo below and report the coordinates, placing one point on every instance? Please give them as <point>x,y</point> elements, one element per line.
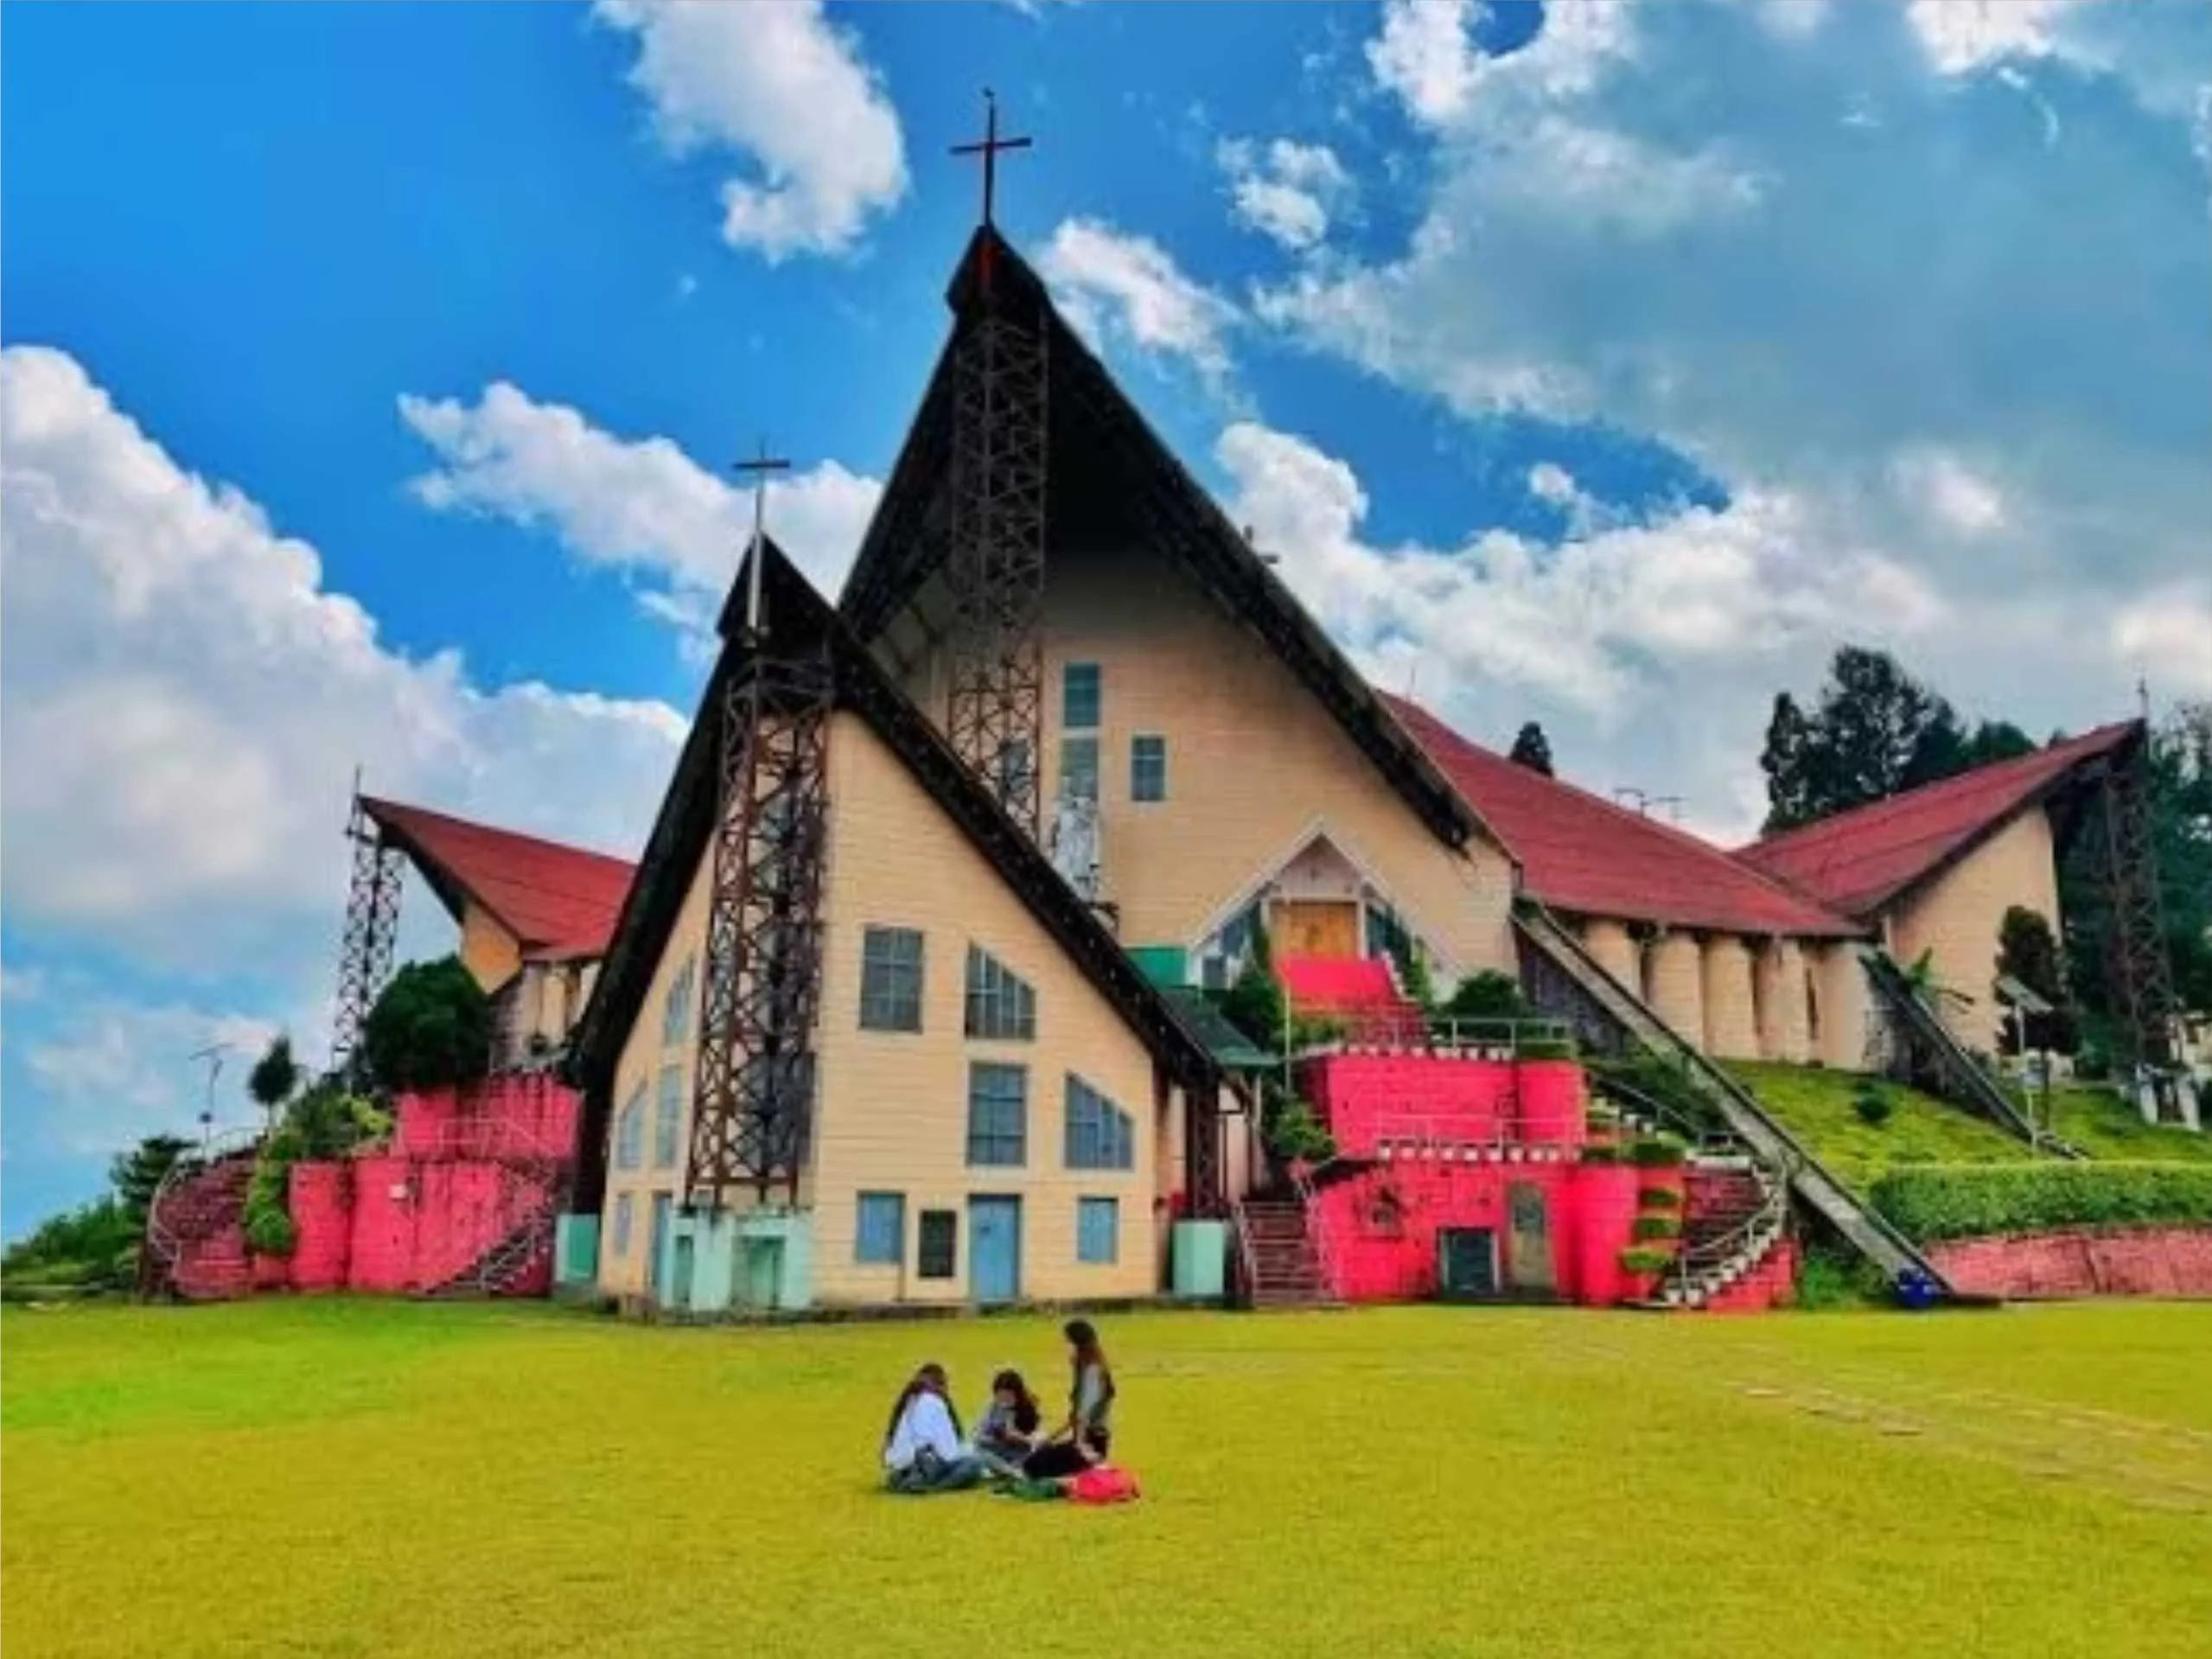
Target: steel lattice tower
<point>754,1098</point>
<point>371,929</point>
<point>2136,960</point>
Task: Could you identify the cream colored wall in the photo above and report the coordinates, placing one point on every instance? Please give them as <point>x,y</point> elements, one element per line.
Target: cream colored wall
<point>643,1056</point>
<point>1615,950</point>
<point>1779,971</point>
<point>1957,917</point>
<point>487,950</point>
<point>1675,987</point>
<point>894,1106</point>
<point>1730,1023</point>
<point>1839,981</point>
<point>1254,764</point>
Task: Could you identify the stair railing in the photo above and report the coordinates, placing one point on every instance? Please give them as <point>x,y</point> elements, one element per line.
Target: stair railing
<point>1324,1257</point>
<point>1247,1257</point>
<point>164,1245</point>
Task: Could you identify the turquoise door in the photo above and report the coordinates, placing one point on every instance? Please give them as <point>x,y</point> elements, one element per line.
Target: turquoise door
<point>994,1249</point>
<point>662,1291</point>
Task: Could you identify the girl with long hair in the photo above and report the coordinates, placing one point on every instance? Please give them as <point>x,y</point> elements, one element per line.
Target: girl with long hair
<point>923,1449</point>
<point>1008,1432</point>
<point>1088,1435</point>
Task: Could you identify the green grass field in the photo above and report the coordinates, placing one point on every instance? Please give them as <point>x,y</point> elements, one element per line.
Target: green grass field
<point>356,1477</point>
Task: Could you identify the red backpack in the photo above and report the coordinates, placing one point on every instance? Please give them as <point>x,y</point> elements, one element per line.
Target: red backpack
<point>1102,1484</point>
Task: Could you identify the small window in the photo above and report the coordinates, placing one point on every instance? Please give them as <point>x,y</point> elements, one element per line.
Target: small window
<point>890,980</point>
<point>1100,1136</point>
<point>1000,1005</point>
<point>623,1225</point>
<point>668,1117</point>
<point>676,1011</point>
<point>1079,769</point>
<point>1148,769</point>
<point>629,1131</point>
<point>1098,1231</point>
<point>998,1110</point>
<point>1079,697</point>
<point>1017,770</point>
<point>937,1255</point>
<point>880,1237</point>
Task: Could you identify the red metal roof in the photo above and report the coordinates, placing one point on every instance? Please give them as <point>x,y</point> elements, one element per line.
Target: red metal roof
<point>1858,861</point>
<point>558,900</point>
<point>1586,855</point>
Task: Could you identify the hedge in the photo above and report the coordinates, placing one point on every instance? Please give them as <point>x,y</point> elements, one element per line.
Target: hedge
<point>1927,1201</point>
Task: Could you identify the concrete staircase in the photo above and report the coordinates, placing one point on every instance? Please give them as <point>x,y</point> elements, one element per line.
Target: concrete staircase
<point>195,1234</point>
<point>1282,1266</point>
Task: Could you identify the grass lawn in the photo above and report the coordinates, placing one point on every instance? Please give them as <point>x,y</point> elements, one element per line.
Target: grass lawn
<point>358,1478</point>
<point>1815,1105</point>
<point>2105,1127</point>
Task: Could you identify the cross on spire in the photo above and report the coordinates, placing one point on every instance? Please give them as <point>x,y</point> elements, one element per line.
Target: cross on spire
<point>988,147</point>
<point>758,469</point>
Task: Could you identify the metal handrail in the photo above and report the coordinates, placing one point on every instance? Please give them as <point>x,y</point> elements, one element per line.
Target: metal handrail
<point>1416,1028</point>
<point>161,1242</point>
<point>1245,1255</point>
<point>1324,1257</point>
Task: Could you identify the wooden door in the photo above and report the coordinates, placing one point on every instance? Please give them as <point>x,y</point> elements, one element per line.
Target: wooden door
<point>1318,927</point>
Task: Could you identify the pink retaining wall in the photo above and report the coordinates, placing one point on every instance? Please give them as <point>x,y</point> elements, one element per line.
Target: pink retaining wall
<point>524,1115</point>
<point>322,1211</point>
<point>416,1224</point>
<point>2133,1261</point>
<point>1366,1099</point>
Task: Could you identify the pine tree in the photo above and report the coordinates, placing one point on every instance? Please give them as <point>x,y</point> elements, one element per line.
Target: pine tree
<point>1533,749</point>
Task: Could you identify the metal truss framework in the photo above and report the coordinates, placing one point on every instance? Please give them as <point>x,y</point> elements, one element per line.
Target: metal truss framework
<point>371,929</point>
<point>2135,955</point>
<point>754,1100</point>
<point>995,564</point>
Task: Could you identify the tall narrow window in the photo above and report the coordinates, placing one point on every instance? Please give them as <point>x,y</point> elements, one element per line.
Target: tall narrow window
<point>880,1235</point>
<point>1100,1136</point>
<point>1016,765</point>
<point>998,1111</point>
<point>623,1225</point>
<point>629,1131</point>
<point>1079,767</point>
<point>1148,769</point>
<point>937,1247</point>
<point>676,1011</point>
<point>667,1117</point>
<point>1000,1005</point>
<point>890,980</point>
<point>1079,697</point>
<point>1098,1231</point>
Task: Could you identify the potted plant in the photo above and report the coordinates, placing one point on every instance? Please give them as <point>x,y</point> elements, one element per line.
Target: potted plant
<point>1640,1266</point>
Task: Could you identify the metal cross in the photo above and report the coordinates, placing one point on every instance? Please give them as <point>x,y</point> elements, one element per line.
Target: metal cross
<point>758,469</point>
<point>988,147</point>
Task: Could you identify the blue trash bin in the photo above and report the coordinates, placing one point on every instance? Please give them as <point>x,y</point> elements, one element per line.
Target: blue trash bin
<point>1915,1290</point>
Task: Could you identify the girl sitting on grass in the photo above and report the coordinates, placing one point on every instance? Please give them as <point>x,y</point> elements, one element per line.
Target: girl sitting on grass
<point>1088,1435</point>
<point>922,1450</point>
<point>1008,1433</point>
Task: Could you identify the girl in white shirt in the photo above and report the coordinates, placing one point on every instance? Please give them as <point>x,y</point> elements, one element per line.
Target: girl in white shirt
<point>922,1448</point>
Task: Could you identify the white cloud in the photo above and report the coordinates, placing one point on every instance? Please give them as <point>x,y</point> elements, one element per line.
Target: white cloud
<point>1426,54</point>
<point>186,702</point>
<point>777,81</point>
<point>1949,493</point>
<point>1286,191</point>
<point>113,1072</point>
<point>1962,36</point>
<point>1109,283</point>
<point>2167,637</point>
<point>639,505</point>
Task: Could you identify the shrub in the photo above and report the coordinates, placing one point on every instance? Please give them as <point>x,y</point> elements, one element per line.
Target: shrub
<point>1660,1198</point>
<point>269,1227</point>
<point>1827,1281</point>
<point>1296,1131</point>
<point>431,1027</point>
<point>1655,1152</point>
<point>1874,1107</point>
<point>1544,1048</point>
<point>1656,1227</point>
<point>1658,1079</point>
<point>1642,1259</point>
<point>1953,1201</point>
<point>1487,995</point>
<point>1601,1152</point>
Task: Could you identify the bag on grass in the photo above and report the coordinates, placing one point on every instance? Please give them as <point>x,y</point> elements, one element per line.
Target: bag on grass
<point>1033,1491</point>
<point>1102,1484</point>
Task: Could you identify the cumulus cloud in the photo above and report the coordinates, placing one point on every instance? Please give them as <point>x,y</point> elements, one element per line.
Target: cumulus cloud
<point>640,505</point>
<point>777,82</point>
<point>1286,191</point>
<point>113,1072</point>
<point>186,702</point>
<point>1110,285</point>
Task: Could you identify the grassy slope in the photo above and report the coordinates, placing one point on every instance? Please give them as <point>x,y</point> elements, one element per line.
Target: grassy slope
<point>358,1478</point>
<point>1816,1106</point>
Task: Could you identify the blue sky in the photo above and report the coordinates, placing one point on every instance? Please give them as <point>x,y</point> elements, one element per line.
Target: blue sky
<point>372,374</point>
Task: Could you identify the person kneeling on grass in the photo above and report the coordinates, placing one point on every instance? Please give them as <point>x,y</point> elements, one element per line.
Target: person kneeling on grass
<point>1008,1432</point>
<point>1088,1435</point>
<point>922,1450</point>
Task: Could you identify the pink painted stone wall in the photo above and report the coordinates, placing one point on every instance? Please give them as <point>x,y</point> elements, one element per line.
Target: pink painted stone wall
<point>1366,1099</point>
<point>523,1114</point>
<point>322,1211</point>
<point>2077,1262</point>
<point>417,1223</point>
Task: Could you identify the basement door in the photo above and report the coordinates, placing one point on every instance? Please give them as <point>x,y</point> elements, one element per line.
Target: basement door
<point>994,1249</point>
<point>1318,927</point>
<point>1529,1268</point>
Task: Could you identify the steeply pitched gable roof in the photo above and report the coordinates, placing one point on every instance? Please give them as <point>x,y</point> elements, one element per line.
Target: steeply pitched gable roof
<point>800,619</point>
<point>1108,466</point>
<point>1860,861</point>
<point>1584,855</point>
<point>555,900</point>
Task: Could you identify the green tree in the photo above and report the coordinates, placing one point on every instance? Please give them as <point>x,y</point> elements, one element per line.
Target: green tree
<point>137,1174</point>
<point>431,1028</point>
<point>1788,763</point>
<point>1487,995</point>
<point>1531,748</point>
<point>2028,952</point>
<point>274,1078</point>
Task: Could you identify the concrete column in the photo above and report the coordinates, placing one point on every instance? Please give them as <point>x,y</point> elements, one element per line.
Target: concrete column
<point>1780,982</point>
<point>1677,994</point>
<point>1840,982</point>
<point>1731,1030</point>
<point>1609,943</point>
